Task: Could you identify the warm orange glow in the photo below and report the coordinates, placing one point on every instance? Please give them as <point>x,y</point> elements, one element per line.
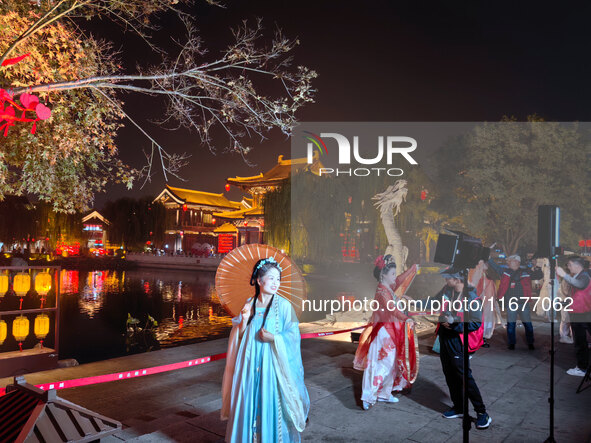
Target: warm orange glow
<point>3,331</point>
<point>3,285</point>
<point>20,328</point>
<point>21,284</point>
<point>41,326</point>
<point>43,283</point>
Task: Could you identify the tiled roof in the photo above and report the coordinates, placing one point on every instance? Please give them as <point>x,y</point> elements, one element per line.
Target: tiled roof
<point>28,414</point>
<point>226,227</point>
<point>97,215</point>
<point>278,173</point>
<point>236,215</point>
<point>190,196</point>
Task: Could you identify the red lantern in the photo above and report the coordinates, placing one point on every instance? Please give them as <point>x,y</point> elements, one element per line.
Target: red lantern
<point>184,208</point>
<point>227,187</point>
<point>582,243</point>
<point>589,243</point>
<point>423,195</point>
<point>245,223</point>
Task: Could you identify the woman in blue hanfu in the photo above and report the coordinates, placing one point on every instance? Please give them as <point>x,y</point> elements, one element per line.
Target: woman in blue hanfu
<point>264,397</point>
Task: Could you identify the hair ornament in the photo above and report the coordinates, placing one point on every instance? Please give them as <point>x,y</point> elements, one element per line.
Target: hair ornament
<point>268,260</point>
<point>383,260</point>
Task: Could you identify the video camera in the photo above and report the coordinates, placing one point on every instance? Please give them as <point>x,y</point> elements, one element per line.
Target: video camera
<point>447,317</point>
<point>460,250</point>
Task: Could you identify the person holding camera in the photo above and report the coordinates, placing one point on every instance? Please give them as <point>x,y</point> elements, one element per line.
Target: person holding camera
<point>450,333</point>
<point>516,285</point>
<point>579,283</point>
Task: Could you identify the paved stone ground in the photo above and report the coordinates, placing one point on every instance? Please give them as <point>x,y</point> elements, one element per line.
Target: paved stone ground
<point>184,405</point>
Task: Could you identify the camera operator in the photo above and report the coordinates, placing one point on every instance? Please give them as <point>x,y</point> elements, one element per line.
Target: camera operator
<point>579,283</point>
<point>449,331</point>
<point>516,284</point>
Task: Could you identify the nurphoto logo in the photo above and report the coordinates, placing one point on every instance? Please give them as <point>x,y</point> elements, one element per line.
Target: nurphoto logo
<point>387,148</point>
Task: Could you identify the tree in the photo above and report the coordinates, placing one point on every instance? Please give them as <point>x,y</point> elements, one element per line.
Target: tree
<point>502,172</point>
<point>312,216</point>
<point>82,80</point>
<point>133,222</point>
<point>22,222</point>
<point>16,221</point>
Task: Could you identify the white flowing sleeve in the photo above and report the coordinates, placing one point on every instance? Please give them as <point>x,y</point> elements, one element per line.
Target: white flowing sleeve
<point>287,359</point>
<point>233,344</point>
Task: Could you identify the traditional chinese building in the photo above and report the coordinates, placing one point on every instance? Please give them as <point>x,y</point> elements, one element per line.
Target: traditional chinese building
<point>250,220</point>
<point>259,185</point>
<point>197,219</point>
<point>190,220</point>
<point>95,226</point>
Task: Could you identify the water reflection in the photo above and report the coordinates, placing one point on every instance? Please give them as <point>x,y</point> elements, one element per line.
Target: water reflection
<point>94,308</point>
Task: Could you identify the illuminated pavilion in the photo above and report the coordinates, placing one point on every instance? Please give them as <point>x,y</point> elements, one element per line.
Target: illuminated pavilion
<point>190,223</point>
<point>194,218</point>
<point>250,221</point>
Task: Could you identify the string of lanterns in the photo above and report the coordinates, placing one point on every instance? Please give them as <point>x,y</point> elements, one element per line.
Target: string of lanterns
<point>21,285</point>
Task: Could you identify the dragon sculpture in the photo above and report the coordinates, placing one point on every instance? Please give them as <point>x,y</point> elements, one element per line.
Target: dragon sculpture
<point>388,203</point>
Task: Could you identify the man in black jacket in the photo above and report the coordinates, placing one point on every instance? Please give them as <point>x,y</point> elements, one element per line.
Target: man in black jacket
<point>451,325</point>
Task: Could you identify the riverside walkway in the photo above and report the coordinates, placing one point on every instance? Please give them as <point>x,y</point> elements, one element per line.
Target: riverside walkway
<point>183,405</point>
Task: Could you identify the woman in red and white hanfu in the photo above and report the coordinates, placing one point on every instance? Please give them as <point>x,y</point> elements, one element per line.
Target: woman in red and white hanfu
<point>487,292</point>
<point>388,348</point>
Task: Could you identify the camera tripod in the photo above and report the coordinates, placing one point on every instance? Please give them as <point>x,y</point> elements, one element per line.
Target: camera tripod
<point>587,377</point>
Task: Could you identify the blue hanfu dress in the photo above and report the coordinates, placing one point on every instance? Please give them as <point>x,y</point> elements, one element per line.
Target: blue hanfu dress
<point>263,394</point>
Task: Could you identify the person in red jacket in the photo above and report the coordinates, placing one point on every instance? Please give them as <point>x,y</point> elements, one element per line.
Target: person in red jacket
<point>579,282</point>
<point>516,284</point>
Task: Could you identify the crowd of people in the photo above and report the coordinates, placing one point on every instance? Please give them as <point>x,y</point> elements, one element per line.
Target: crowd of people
<point>264,395</point>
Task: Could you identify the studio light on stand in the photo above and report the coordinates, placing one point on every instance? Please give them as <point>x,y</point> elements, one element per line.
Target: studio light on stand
<point>462,252</point>
<point>548,247</point>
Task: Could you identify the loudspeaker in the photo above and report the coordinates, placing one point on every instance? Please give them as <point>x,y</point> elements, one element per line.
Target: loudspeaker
<point>548,230</point>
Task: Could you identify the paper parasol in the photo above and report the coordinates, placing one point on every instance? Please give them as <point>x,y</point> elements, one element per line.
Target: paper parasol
<point>232,280</point>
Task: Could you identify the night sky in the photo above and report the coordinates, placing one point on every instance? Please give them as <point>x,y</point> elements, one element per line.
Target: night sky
<point>384,61</point>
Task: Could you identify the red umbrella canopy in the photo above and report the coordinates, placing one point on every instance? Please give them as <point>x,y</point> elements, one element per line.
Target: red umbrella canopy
<point>232,280</point>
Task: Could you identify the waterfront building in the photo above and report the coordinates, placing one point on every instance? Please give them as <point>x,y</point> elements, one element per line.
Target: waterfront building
<point>190,220</point>
<point>198,220</point>
<point>95,226</point>
<point>250,221</point>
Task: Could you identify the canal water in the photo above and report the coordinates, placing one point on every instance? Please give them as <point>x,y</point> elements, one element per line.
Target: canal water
<point>95,307</point>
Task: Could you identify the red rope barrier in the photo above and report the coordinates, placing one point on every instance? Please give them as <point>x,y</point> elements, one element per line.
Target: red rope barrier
<point>135,373</point>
